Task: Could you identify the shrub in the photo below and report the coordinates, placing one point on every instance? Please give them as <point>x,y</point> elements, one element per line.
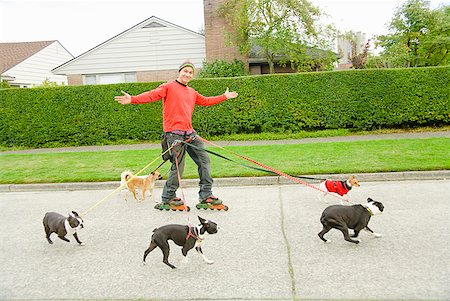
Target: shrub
<point>221,68</point>
<point>4,84</point>
<point>355,99</point>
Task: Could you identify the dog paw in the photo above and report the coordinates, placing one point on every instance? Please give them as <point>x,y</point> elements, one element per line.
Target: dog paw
<point>377,235</point>
<point>209,261</point>
<point>82,244</point>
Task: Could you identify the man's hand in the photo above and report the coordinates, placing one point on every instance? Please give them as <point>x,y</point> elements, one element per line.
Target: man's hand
<point>229,94</point>
<point>123,99</point>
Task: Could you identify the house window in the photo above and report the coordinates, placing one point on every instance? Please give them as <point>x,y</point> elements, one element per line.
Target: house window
<point>89,80</point>
<point>109,78</point>
<point>130,77</point>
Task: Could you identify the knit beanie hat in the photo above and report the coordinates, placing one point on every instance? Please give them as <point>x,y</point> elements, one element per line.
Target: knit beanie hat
<point>186,64</point>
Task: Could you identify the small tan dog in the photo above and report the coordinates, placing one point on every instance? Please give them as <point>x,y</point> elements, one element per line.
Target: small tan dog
<point>338,187</point>
<point>145,183</point>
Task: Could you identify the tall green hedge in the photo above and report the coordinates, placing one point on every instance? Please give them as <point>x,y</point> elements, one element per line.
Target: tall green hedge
<point>355,99</point>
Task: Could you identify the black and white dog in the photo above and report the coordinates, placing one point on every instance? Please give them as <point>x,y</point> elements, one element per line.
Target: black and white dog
<point>182,235</point>
<point>354,217</point>
<point>61,225</point>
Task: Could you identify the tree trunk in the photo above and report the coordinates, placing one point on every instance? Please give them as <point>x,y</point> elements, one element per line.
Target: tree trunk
<point>271,66</point>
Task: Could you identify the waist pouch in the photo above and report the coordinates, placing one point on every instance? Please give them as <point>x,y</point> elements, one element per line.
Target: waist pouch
<point>165,146</point>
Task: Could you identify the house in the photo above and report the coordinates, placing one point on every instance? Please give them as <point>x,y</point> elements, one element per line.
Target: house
<point>153,49</point>
<point>345,46</point>
<point>149,51</point>
<point>26,64</point>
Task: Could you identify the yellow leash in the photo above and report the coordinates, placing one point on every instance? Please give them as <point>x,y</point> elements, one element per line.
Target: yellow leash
<point>123,185</point>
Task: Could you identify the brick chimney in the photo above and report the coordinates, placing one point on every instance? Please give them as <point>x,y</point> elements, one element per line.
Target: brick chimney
<point>216,28</point>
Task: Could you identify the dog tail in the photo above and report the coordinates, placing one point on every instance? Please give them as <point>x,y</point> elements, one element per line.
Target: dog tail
<point>125,175</point>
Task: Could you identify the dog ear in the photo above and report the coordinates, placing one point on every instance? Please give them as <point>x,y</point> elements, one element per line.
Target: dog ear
<point>75,214</point>
<point>370,200</point>
<point>202,220</point>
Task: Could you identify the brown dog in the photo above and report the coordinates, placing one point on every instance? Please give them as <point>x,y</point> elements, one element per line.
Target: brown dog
<point>145,183</point>
<point>338,187</point>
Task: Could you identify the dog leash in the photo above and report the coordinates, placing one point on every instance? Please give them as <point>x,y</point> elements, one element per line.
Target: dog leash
<point>162,163</point>
<point>179,181</point>
<point>189,225</point>
<point>292,178</point>
<point>249,166</point>
<point>124,184</point>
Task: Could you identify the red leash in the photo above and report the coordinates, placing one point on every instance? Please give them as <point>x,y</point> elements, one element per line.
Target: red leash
<point>182,195</point>
<point>275,171</point>
<point>179,180</point>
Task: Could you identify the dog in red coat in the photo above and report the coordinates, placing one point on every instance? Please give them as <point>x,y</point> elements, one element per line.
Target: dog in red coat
<point>340,188</point>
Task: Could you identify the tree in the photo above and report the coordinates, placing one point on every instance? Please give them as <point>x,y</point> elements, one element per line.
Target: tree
<point>419,36</point>
<point>284,30</point>
<point>221,68</point>
<point>359,60</point>
<point>436,43</point>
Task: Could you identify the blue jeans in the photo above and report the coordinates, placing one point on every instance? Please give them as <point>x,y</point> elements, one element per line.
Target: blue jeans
<point>200,157</point>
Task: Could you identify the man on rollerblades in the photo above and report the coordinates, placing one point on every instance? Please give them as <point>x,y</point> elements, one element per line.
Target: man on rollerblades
<point>179,101</point>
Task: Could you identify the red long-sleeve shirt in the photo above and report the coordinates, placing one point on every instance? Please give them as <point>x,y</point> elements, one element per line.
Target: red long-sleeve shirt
<point>178,104</point>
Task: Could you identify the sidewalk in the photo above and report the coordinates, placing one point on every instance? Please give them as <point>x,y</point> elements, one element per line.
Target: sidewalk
<point>420,135</point>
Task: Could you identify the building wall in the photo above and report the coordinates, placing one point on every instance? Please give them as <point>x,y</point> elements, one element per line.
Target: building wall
<point>154,76</point>
<point>215,35</point>
<point>37,68</point>
<point>75,80</point>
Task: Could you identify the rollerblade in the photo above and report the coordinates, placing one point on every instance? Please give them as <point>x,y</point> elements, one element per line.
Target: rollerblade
<point>212,203</point>
<point>174,205</point>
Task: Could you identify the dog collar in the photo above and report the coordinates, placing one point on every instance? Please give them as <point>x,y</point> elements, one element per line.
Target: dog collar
<point>348,185</point>
<point>368,209</point>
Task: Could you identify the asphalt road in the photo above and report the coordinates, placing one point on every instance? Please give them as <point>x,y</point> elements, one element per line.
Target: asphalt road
<point>267,247</point>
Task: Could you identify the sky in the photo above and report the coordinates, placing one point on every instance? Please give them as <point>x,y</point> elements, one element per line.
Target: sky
<point>80,25</point>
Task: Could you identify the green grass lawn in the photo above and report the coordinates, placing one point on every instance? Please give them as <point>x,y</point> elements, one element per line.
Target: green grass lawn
<point>295,159</point>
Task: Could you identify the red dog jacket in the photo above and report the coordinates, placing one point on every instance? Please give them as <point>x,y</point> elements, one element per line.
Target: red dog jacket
<point>339,187</point>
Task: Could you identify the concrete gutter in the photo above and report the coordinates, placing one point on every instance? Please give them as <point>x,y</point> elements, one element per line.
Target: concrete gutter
<point>237,181</point>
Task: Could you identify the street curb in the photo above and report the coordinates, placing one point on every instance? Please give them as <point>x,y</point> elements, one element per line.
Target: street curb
<point>237,181</point>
